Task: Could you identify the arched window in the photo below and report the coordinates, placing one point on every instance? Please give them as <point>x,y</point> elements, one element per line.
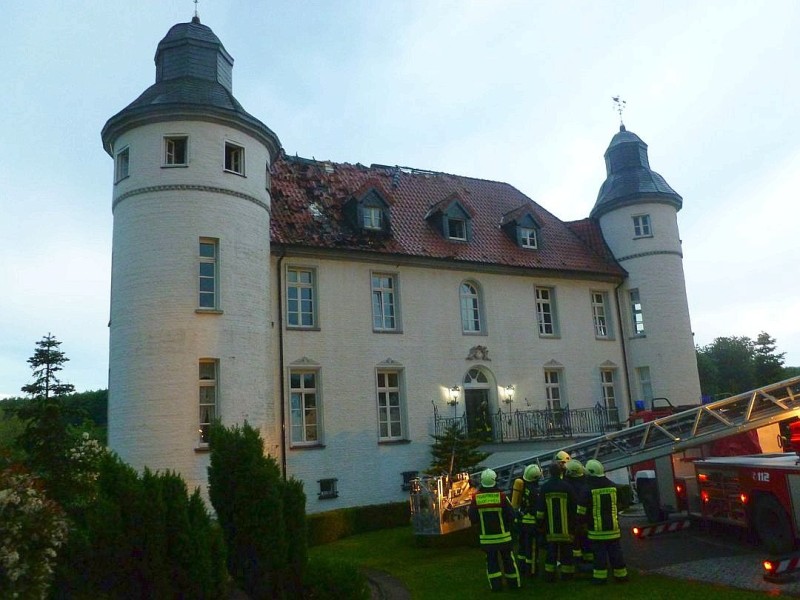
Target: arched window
<point>471,310</point>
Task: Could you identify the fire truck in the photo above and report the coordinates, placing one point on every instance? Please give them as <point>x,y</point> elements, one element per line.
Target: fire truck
<point>762,494</point>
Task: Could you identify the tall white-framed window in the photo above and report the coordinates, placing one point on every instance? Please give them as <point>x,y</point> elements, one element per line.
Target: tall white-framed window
<point>641,226</point>
<point>122,164</point>
<point>385,309</point>
<point>372,217</point>
<point>546,311</point>
<point>208,387</point>
<point>609,389</point>
<point>175,150</point>
<point>301,305</point>
<point>645,385</point>
<point>304,407</point>
<point>471,310</point>
<point>208,275</point>
<point>234,158</point>
<point>637,313</point>
<point>600,314</point>
<point>390,408</point>
<point>552,388</point>
<point>527,237</point>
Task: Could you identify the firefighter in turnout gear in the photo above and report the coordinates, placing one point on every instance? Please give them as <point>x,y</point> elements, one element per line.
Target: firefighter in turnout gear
<point>562,458</point>
<point>597,507</point>
<point>524,499</point>
<point>555,516</point>
<point>492,510</point>
<point>576,477</point>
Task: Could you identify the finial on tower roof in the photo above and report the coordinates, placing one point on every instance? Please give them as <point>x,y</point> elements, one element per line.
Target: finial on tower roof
<point>196,17</point>
<point>619,107</point>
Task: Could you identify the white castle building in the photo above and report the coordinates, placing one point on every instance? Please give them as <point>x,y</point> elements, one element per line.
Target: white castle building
<point>345,310</point>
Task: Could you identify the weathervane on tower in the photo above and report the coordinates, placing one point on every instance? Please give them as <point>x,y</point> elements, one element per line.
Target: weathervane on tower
<point>619,107</point>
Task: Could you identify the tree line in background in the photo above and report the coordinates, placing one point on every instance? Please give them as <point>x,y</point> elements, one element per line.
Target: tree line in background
<point>733,365</point>
<point>77,522</point>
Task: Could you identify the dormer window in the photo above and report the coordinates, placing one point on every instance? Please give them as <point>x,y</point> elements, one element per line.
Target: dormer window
<point>457,229</point>
<point>527,237</point>
<point>368,212</point>
<point>372,218</point>
<point>451,218</point>
<point>522,227</point>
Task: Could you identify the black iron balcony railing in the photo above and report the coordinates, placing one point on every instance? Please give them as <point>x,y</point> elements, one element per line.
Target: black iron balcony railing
<point>526,425</point>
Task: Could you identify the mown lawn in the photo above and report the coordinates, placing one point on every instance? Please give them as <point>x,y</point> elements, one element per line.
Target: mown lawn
<point>459,572</point>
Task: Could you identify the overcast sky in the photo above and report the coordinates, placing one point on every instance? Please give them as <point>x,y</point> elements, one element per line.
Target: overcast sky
<point>510,91</point>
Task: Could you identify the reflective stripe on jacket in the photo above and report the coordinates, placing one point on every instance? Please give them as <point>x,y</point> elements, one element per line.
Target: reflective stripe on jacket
<point>492,511</point>
<point>599,504</point>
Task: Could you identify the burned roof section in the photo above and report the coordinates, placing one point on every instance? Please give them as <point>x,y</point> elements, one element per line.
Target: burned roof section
<point>309,196</point>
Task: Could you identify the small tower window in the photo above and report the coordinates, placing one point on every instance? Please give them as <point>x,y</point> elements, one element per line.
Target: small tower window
<point>208,396</point>
<point>122,165</point>
<point>234,158</point>
<point>175,151</point>
<point>208,276</point>
<point>637,313</point>
<point>641,226</point>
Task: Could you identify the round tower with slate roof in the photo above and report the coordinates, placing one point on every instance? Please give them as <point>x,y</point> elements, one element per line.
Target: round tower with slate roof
<point>190,327</point>
<point>637,212</point>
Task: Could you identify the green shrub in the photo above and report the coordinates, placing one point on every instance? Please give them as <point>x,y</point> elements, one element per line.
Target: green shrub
<point>333,525</point>
<point>141,537</point>
<point>32,529</point>
<point>262,516</point>
<point>332,580</point>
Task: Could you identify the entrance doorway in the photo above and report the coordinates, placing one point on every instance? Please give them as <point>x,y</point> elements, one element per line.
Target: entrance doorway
<point>479,423</point>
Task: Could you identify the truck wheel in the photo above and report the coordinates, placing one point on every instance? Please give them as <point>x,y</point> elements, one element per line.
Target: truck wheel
<point>772,526</point>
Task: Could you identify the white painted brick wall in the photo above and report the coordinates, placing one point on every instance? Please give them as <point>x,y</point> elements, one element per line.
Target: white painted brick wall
<point>656,269</point>
<point>157,337</point>
<point>432,350</point>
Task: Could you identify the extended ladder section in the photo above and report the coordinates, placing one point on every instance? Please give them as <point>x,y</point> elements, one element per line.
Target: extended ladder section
<point>674,433</point>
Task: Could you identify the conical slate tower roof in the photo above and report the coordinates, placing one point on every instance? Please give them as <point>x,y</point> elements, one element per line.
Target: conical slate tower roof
<point>629,178</point>
<point>194,81</point>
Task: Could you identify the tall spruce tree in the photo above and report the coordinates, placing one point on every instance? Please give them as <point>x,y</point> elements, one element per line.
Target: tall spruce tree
<point>45,439</point>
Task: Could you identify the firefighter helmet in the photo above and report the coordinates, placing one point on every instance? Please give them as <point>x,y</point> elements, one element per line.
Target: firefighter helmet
<point>562,457</point>
<point>488,478</point>
<point>574,468</point>
<point>532,473</point>
<point>595,468</point>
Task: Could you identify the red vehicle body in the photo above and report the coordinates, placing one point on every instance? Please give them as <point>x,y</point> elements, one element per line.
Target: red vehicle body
<point>759,492</point>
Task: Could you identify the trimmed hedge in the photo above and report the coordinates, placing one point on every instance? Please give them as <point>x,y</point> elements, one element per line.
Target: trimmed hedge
<point>334,525</point>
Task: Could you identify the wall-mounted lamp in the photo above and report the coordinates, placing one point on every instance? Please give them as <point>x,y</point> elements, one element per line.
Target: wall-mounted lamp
<point>453,394</point>
<point>509,394</point>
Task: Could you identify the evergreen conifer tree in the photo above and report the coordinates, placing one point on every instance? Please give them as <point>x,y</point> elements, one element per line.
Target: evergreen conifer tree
<point>453,451</point>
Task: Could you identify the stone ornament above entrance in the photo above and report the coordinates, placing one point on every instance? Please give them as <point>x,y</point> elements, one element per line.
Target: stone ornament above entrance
<point>478,353</point>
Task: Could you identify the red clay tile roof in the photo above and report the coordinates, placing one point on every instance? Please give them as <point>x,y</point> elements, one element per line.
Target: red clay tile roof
<point>308,197</point>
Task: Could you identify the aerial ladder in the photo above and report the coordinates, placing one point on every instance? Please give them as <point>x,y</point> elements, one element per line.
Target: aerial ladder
<point>439,504</point>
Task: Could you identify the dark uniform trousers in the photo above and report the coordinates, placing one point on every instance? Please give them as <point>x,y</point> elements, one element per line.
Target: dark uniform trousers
<point>599,507</point>
<point>527,540</point>
<point>554,516</point>
<point>491,509</point>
